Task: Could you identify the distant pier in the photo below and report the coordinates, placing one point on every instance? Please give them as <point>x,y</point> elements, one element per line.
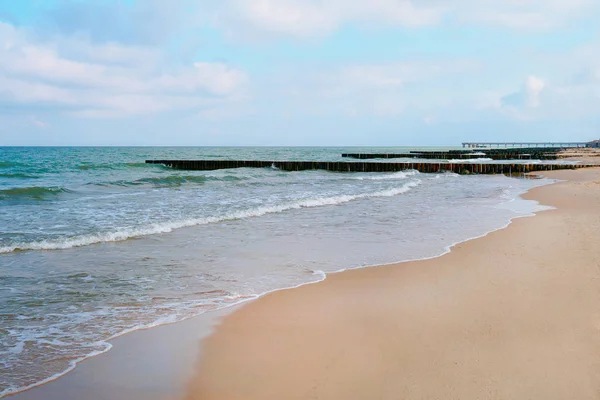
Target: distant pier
<point>424,167</point>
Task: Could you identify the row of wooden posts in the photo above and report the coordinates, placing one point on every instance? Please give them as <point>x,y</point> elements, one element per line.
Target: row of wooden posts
<point>429,155</point>
<point>425,167</point>
<point>511,154</point>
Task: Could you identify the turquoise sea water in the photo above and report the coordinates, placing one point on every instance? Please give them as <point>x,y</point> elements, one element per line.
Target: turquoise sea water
<point>95,243</point>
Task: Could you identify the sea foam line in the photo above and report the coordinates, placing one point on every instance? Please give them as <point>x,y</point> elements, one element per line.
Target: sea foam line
<point>167,227</point>
<point>469,160</point>
<point>396,175</point>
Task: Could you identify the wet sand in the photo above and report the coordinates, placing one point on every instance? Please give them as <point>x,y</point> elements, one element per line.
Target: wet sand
<point>584,156</point>
<point>153,364</point>
<point>513,315</point>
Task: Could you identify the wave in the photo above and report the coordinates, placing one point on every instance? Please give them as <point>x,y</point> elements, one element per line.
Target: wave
<point>18,175</point>
<point>177,180</point>
<point>87,167</point>
<point>166,227</point>
<point>393,176</point>
<point>9,164</point>
<point>143,165</point>
<point>470,160</point>
<point>33,192</point>
<point>91,166</point>
<point>173,180</point>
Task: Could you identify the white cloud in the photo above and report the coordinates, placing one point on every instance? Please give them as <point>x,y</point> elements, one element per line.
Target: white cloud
<point>40,124</point>
<point>107,79</point>
<point>309,17</point>
<point>570,98</point>
<point>528,97</point>
<point>149,22</point>
<point>305,18</point>
<point>93,73</point>
<point>533,88</point>
<point>429,120</point>
<point>381,75</point>
<point>157,21</point>
<point>523,14</point>
<point>392,89</point>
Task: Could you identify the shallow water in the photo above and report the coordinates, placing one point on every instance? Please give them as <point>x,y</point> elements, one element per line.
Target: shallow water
<point>95,243</point>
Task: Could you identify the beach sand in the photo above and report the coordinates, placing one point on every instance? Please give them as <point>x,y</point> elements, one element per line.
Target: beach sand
<point>153,364</point>
<point>584,155</point>
<point>513,315</point>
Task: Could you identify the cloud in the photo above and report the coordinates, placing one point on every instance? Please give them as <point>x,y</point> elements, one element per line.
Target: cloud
<point>570,98</point>
<point>38,123</point>
<point>158,22</point>
<point>306,18</point>
<point>106,79</point>
<point>429,120</point>
<point>523,14</point>
<point>388,75</point>
<point>147,22</point>
<point>385,89</point>
<point>145,59</point>
<point>528,96</point>
<point>533,88</point>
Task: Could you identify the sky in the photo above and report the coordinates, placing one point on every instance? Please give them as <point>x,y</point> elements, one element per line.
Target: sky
<point>298,72</point>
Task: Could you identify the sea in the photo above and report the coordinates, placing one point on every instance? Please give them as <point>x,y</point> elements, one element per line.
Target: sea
<point>95,243</point>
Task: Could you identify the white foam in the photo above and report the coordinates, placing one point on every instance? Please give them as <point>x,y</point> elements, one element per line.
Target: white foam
<point>394,176</point>
<point>167,227</point>
<point>470,160</point>
<point>235,298</point>
<point>72,365</point>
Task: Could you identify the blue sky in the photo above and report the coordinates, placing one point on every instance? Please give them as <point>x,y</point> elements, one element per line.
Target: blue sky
<point>298,72</point>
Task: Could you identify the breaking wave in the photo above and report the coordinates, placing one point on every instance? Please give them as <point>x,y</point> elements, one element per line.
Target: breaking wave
<point>393,176</point>
<point>33,192</point>
<point>173,180</point>
<point>166,227</point>
<point>18,175</point>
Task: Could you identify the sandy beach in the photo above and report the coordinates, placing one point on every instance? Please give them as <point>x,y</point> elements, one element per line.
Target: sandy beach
<point>513,315</point>
<point>582,155</point>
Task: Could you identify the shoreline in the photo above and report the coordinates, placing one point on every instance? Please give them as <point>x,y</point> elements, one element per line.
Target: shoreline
<point>247,333</point>
<point>146,364</point>
<point>38,390</point>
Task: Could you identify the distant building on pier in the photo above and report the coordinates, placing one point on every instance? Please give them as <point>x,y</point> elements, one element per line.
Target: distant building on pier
<point>594,144</point>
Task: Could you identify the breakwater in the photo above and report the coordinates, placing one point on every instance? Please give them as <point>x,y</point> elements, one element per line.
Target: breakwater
<point>423,155</point>
<point>424,167</point>
<point>548,153</point>
<point>495,154</point>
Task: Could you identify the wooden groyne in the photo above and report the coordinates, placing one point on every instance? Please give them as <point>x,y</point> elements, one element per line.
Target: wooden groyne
<point>412,154</point>
<point>548,153</point>
<point>551,153</point>
<point>425,167</point>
